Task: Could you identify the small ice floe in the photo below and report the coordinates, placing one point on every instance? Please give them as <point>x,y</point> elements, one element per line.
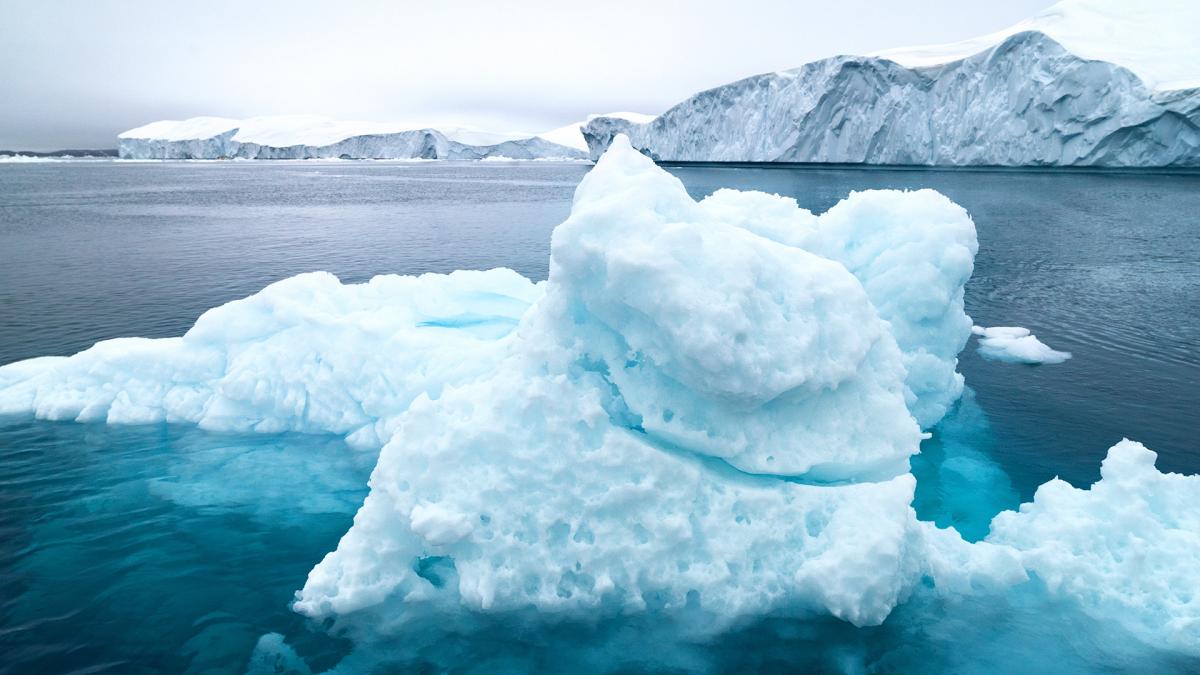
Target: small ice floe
<point>1015,345</point>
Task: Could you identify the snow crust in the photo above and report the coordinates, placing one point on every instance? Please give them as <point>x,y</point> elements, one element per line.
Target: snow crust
<point>288,130</point>
<point>1124,550</point>
<point>307,136</point>
<point>705,414</point>
<point>282,131</point>
<point>1088,83</point>
<point>1015,345</point>
<point>39,159</point>
<point>305,354</point>
<point>1156,39</point>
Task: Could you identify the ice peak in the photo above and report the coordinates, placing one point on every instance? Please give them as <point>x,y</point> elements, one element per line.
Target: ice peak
<point>1156,39</point>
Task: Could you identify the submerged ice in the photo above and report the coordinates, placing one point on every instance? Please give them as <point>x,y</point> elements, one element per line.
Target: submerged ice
<point>706,415</point>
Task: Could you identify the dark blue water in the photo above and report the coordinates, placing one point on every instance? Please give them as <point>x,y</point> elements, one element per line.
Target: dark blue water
<point>151,549</point>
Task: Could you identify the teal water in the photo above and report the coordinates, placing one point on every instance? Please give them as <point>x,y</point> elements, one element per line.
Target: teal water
<point>168,549</point>
<point>162,549</point>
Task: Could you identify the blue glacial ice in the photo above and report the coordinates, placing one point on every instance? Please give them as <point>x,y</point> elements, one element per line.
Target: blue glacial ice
<point>704,420</point>
<point>306,354</point>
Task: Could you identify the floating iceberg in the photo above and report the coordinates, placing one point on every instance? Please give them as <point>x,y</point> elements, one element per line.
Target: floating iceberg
<point>306,354</point>
<point>1085,83</point>
<point>1124,551</point>
<point>1015,345</point>
<point>692,416</point>
<point>312,137</point>
<point>703,419</point>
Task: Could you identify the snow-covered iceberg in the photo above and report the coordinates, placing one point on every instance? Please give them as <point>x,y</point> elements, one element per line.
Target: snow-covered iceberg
<point>705,416</point>
<point>1085,83</point>
<point>312,137</point>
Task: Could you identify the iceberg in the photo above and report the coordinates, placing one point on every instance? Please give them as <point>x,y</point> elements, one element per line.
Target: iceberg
<point>1118,549</point>
<point>313,137</point>
<point>1085,83</point>
<point>306,354</point>
<point>652,440</point>
<point>1015,345</point>
<point>1155,40</point>
<point>703,419</point>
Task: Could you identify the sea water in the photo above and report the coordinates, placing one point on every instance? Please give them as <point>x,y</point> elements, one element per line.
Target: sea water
<point>162,548</point>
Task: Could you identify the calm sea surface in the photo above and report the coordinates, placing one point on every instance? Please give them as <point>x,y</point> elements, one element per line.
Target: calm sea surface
<point>141,549</point>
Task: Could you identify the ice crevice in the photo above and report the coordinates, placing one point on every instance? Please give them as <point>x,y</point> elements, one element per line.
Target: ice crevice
<point>729,472</point>
<point>709,407</point>
<point>620,416</point>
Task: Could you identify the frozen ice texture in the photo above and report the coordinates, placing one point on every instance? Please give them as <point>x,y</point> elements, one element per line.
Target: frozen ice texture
<point>1156,39</point>
<point>1124,550</point>
<point>313,137</point>
<point>1015,345</point>
<point>704,415</point>
<point>693,416</point>
<point>1064,89</point>
<point>913,253</point>
<point>305,354</point>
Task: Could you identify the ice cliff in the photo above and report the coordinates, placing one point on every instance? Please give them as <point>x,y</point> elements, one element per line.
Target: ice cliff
<point>1015,98</point>
<point>305,137</point>
<point>704,416</point>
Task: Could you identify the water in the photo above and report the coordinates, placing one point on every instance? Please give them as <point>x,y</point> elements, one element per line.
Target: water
<point>118,552</point>
<point>117,556</point>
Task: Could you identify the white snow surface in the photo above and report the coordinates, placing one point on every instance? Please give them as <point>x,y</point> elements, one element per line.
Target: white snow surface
<point>1156,39</point>
<point>288,130</point>
<point>1086,83</point>
<point>35,159</point>
<point>310,137</point>
<point>708,407</point>
<point>1015,345</point>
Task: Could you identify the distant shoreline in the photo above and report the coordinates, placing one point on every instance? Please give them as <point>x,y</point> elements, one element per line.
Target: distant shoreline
<point>112,153</point>
<point>106,152</point>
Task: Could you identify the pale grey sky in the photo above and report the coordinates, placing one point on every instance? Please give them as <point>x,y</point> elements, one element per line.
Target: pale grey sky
<point>74,73</point>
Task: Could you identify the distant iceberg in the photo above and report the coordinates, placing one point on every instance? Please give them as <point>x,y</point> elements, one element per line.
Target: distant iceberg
<point>703,418</point>
<point>311,137</point>
<point>1101,83</point>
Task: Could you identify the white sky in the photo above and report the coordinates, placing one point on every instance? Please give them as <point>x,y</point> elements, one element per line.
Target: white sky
<point>74,73</point>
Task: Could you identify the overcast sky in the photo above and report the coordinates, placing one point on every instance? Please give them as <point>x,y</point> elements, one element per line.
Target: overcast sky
<point>74,73</point>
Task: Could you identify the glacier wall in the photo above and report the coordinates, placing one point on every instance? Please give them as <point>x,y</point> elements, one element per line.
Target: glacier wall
<point>418,144</point>
<point>1024,102</point>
